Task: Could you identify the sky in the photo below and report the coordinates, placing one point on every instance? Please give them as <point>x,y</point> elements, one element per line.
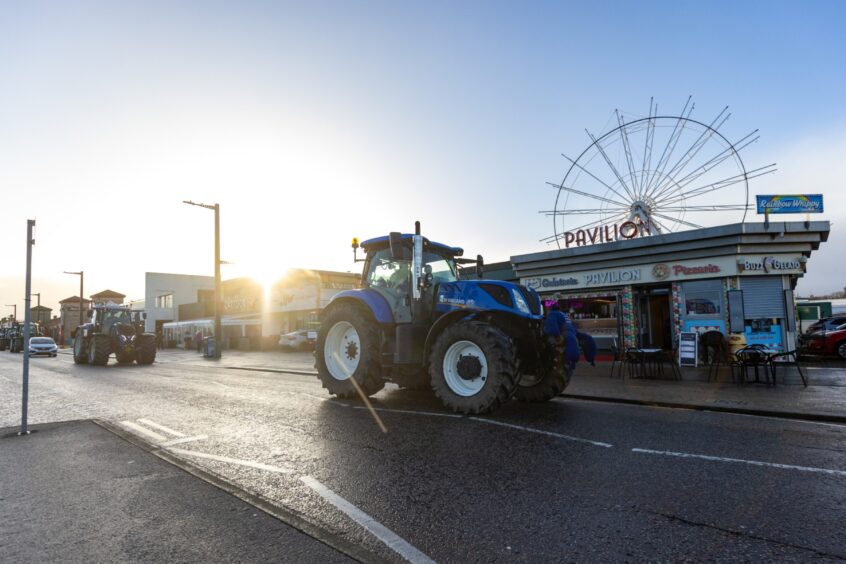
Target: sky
<point>314,122</point>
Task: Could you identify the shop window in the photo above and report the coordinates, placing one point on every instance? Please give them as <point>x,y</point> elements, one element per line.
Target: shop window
<point>702,303</point>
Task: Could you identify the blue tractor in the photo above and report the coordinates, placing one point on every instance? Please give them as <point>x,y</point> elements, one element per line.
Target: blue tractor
<point>475,343</point>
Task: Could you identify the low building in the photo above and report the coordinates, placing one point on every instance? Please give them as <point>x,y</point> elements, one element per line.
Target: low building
<point>71,317</point>
<point>164,293</point>
<point>644,292</point>
<point>108,297</point>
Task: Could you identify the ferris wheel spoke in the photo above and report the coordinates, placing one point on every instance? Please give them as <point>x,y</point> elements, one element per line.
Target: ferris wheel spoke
<point>661,227</point>
<point>628,150</point>
<point>715,161</point>
<point>647,144</point>
<point>611,165</point>
<point>727,207</point>
<point>584,211</point>
<point>593,176</point>
<point>587,194</point>
<point>677,220</point>
<point>719,185</point>
<point>697,145</point>
<point>672,142</point>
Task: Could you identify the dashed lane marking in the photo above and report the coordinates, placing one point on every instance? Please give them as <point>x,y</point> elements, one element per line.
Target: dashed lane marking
<point>742,461</point>
<point>183,440</point>
<point>139,429</point>
<point>542,432</point>
<point>248,463</point>
<point>155,425</point>
<point>381,532</point>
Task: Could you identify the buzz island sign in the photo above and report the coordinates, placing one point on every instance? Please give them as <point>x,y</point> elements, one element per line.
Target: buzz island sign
<point>607,233</point>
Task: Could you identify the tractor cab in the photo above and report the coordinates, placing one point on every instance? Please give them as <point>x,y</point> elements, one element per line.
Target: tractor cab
<point>392,272</point>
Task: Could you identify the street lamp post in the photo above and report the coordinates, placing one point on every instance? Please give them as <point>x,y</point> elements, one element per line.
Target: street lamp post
<point>81,275</point>
<point>218,294</point>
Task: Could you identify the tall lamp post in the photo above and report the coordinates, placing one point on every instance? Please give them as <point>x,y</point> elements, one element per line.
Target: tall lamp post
<point>81,275</point>
<point>217,289</point>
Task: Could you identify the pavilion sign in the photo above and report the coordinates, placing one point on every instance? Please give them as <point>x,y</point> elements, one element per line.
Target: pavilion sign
<point>606,234</point>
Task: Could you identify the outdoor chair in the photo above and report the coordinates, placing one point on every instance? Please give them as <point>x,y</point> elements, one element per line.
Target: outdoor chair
<point>617,358</point>
<point>713,351</point>
<point>754,356</point>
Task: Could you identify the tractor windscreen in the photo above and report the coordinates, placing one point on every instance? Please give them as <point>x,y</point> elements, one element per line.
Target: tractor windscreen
<point>442,268</point>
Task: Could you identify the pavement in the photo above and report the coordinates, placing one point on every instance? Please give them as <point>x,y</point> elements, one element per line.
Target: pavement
<point>78,492</point>
<point>824,399</point>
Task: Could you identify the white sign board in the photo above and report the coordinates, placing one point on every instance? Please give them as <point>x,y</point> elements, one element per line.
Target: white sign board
<point>688,348</point>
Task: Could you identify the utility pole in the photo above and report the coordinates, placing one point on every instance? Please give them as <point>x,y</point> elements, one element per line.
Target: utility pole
<point>30,223</point>
<point>81,275</point>
<point>218,291</point>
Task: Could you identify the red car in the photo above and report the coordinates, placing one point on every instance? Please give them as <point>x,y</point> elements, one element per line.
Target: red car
<point>826,337</point>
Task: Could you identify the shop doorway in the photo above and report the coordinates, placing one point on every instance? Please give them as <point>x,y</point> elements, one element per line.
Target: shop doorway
<point>655,317</point>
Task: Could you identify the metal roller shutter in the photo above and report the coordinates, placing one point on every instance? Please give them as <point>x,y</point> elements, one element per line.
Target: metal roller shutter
<point>763,297</point>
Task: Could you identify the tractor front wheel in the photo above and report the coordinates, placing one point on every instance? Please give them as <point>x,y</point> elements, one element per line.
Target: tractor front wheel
<point>145,349</point>
<point>552,378</point>
<point>347,354</point>
<point>80,350</point>
<point>99,349</point>
<point>473,367</point>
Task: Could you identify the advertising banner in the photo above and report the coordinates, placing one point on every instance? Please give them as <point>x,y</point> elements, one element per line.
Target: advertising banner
<point>790,203</point>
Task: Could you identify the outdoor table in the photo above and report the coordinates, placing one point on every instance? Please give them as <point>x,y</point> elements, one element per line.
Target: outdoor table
<point>649,361</point>
<point>756,357</point>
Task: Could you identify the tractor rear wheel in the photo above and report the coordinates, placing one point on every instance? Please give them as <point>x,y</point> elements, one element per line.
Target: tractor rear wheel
<point>145,349</point>
<point>552,378</point>
<point>99,349</point>
<point>347,355</point>
<point>80,349</point>
<point>473,367</point>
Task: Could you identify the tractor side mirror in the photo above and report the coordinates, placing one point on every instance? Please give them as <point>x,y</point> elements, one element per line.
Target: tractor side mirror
<point>142,316</point>
<point>480,267</point>
<point>395,239</point>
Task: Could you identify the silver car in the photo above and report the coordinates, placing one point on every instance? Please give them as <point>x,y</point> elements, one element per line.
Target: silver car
<point>42,346</point>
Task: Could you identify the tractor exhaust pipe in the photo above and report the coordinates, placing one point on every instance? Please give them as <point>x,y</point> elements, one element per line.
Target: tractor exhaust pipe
<point>417,228</point>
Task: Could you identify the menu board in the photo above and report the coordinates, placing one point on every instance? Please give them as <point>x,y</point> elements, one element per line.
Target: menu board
<point>688,348</point>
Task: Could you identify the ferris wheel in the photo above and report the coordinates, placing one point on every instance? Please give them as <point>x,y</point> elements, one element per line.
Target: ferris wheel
<point>663,172</point>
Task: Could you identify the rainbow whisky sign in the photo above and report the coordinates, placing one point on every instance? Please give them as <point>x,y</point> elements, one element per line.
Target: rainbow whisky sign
<point>790,203</point>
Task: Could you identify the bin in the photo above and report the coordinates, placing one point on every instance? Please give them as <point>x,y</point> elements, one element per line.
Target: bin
<point>209,347</point>
<point>736,341</point>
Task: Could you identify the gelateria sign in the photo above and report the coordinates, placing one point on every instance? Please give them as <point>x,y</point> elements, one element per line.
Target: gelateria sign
<point>771,265</point>
<point>606,233</point>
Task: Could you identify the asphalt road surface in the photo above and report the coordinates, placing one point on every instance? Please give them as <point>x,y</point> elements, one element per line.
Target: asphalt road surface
<point>566,480</point>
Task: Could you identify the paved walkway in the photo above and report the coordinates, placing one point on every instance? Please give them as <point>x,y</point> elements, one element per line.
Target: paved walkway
<point>824,398</point>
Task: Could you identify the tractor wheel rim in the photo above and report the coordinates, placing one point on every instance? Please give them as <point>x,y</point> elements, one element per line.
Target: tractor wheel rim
<point>459,385</point>
<point>342,350</point>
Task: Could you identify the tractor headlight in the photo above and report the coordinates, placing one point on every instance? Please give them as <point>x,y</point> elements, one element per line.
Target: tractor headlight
<point>520,301</point>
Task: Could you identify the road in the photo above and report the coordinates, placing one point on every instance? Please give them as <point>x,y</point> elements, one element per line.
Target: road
<point>567,480</point>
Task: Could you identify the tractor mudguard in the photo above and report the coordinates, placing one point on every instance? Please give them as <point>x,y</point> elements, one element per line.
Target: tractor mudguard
<point>442,323</point>
<point>371,299</point>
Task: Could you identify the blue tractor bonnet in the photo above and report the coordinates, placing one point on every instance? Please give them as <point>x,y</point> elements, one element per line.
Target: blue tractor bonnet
<point>384,241</point>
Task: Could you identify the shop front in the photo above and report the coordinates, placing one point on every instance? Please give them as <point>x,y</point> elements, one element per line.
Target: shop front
<point>643,293</point>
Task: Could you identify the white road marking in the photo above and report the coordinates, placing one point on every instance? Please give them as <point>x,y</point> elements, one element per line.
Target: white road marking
<point>155,425</point>
<point>139,429</point>
<point>394,542</point>
<point>742,461</point>
<point>258,465</point>
<point>183,440</point>
<point>542,432</point>
<point>388,410</point>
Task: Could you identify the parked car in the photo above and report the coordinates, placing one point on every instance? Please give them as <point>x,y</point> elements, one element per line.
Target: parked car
<point>298,340</point>
<point>42,346</point>
<point>826,337</point>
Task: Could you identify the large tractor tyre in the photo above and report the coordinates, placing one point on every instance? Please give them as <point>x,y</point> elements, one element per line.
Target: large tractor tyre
<point>3,344</point>
<point>99,349</point>
<point>473,367</point>
<point>80,349</point>
<point>413,378</point>
<point>552,378</point>
<point>347,350</point>
<point>145,349</point>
